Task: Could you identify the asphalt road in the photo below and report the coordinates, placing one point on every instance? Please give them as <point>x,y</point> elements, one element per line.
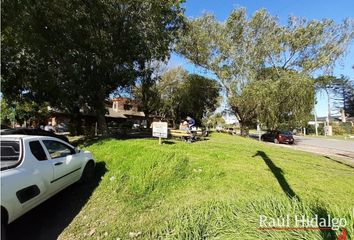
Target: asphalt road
<point>329,144</point>
<point>322,146</point>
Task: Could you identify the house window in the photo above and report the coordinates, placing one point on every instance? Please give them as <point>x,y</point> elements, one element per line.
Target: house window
<point>128,107</point>
<point>115,105</point>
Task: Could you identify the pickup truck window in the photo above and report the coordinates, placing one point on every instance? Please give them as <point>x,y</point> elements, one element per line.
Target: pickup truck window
<point>10,154</point>
<point>57,149</point>
<point>37,150</point>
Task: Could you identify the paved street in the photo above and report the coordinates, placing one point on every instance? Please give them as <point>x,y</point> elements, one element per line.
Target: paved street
<point>322,146</point>
<point>332,144</point>
<point>326,147</point>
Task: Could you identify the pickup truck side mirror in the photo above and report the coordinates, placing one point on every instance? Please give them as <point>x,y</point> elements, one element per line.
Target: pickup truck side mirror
<point>77,150</point>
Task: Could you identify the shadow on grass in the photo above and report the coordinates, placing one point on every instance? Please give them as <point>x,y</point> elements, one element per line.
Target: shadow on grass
<point>86,141</point>
<point>167,142</point>
<point>327,234</point>
<point>337,161</point>
<point>89,140</point>
<point>48,220</point>
<point>278,174</point>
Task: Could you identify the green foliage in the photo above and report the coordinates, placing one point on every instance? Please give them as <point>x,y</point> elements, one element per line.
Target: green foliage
<point>170,90</point>
<point>214,120</point>
<point>200,96</point>
<point>284,100</point>
<point>337,129</point>
<point>310,129</point>
<point>237,50</point>
<point>343,90</point>
<point>347,127</point>
<point>21,111</point>
<point>74,54</point>
<point>342,128</point>
<point>184,94</point>
<point>146,92</point>
<point>7,113</point>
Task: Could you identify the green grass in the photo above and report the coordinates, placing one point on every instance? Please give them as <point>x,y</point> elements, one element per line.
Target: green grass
<point>213,189</point>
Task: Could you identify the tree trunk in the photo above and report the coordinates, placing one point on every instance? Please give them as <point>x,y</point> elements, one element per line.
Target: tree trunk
<point>76,126</point>
<point>244,129</point>
<point>101,112</point>
<point>147,119</point>
<point>102,124</point>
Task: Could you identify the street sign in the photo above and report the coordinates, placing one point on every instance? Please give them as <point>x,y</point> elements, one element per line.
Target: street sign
<point>159,129</point>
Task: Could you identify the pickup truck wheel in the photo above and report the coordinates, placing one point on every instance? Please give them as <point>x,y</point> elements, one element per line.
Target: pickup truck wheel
<point>88,173</point>
<point>276,141</point>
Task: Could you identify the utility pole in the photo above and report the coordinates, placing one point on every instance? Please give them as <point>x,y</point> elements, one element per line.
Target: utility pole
<point>329,109</point>
<point>316,125</point>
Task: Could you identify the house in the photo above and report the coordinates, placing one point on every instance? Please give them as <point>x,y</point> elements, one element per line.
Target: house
<point>118,110</point>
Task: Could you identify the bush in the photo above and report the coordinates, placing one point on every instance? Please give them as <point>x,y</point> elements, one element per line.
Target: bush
<point>312,130</point>
<point>342,128</point>
<point>347,127</point>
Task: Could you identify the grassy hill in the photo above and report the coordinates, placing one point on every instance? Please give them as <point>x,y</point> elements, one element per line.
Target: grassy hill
<point>215,189</point>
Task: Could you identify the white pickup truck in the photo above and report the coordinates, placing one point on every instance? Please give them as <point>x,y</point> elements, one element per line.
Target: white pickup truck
<point>34,168</point>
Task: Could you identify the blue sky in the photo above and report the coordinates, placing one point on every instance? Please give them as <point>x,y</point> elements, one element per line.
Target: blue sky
<point>310,9</point>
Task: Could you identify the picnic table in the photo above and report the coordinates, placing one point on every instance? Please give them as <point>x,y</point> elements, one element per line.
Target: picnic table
<point>187,135</point>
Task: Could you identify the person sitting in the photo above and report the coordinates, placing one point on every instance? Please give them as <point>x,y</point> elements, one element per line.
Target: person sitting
<point>191,122</point>
<point>184,126</point>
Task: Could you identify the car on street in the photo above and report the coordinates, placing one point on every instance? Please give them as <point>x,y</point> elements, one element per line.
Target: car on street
<point>32,131</point>
<point>278,136</point>
<point>34,168</point>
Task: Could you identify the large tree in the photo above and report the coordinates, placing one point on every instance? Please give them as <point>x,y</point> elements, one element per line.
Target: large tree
<point>170,92</point>
<point>146,92</point>
<point>75,53</point>
<point>326,83</point>
<point>183,94</point>
<point>282,99</point>
<point>237,50</point>
<point>343,90</point>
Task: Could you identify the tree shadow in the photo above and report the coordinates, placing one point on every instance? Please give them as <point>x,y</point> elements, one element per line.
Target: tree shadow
<point>337,161</point>
<point>278,174</point>
<point>321,212</point>
<point>48,220</point>
<point>327,234</point>
<point>86,141</point>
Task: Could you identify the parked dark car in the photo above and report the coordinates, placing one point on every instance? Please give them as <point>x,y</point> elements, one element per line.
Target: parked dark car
<point>30,131</point>
<point>277,136</point>
<point>4,127</point>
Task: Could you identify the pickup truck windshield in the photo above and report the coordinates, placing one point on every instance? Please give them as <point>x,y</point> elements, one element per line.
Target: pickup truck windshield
<point>10,154</point>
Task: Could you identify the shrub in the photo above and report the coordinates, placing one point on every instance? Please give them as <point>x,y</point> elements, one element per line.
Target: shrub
<point>347,127</point>
<point>312,130</point>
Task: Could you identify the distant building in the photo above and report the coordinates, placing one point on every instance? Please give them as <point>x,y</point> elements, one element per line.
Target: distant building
<point>332,119</point>
<point>119,110</point>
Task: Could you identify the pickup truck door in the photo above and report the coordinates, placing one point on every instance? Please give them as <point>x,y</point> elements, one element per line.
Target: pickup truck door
<point>66,165</point>
<point>30,183</point>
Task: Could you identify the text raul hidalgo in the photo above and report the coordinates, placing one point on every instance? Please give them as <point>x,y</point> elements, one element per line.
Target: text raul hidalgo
<point>302,221</point>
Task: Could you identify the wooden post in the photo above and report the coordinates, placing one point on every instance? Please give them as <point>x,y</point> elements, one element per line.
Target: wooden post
<point>96,129</point>
<point>160,140</point>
